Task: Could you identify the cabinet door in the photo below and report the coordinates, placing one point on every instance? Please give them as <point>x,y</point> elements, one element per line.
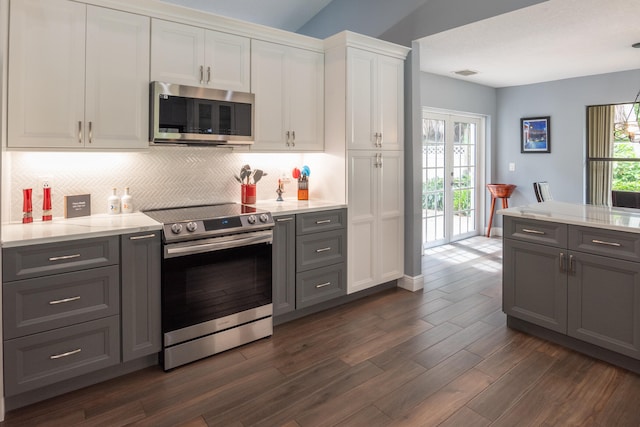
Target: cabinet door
<point>534,284</point>
<point>268,74</point>
<point>227,58</point>
<point>604,303</point>
<point>177,53</point>
<point>284,265</point>
<point>140,269</point>
<point>390,102</point>
<point>117,86</point>
<point>362,241</point>
<point>46,73</point>
<point>391,216</point>
<point>361,99</point>
<point>305,92</point>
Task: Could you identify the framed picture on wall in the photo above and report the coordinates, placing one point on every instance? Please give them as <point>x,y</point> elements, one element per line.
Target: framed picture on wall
<point>535,135</point>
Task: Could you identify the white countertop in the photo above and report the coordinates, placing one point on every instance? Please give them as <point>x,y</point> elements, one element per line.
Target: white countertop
<point>295,206</point>
<point>621,219</point>
<point>61,229</point>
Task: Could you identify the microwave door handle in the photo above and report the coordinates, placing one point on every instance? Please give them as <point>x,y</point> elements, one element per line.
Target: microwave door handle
<point>218,244</point>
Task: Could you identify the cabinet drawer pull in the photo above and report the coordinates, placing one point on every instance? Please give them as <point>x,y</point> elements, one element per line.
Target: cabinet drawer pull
<point>68,353</point>
<point>561,261</point>
<point>323,221</point>
<point>201,74</point>
<point>527,230</point>
<point>146,236</point>
<point>62,301</point>
<point>601,242</point>
<point>79,132</point>
<point>90,132</point>
<point>208,75</point>
<point>323,250</point>
<point>63,257</point>
<point>284,219</point>
<point>322,285</point>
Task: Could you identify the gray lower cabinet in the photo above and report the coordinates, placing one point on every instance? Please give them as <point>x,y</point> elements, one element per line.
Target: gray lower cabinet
<point>579,281</point>
<point>309,265</point>
<point>140,283</point>
<point>321,248</point>
<point>74,307</point>
<point>284,264</point>
<point>37,360</point>
<point>535,285</point>
<point>604,303</point>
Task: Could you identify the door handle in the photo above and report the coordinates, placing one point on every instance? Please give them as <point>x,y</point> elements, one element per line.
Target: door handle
<point>208,75</point>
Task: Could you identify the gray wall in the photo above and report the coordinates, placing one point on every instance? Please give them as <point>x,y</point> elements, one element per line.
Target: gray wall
<point>565,101</point>
<point>403,21</point>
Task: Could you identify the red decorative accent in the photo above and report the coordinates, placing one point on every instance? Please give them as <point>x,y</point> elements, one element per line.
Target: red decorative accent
<point>248,194</point>
<point>27,206</point>
<point>46,205</point>
<point>499,191</point>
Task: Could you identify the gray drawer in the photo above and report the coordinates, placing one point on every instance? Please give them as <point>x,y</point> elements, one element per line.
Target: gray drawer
<point>321,284</point>
<point>617,244</point>
<point>314,222</point>
<point>45,303</point>
<point>25,262</point>
<point>531,230</point>
<point>320,249</point>
<point>48,357</point>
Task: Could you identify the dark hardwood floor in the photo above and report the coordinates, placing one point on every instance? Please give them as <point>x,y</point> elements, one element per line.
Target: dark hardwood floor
<point>439,357</point>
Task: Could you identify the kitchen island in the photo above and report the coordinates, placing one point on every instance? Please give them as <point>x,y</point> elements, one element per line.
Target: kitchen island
<point>571,274</point>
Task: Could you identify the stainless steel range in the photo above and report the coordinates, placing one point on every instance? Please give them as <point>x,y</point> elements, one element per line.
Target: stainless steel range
<point>216,279</point>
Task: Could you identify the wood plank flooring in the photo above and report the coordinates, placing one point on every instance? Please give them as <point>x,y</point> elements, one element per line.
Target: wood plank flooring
<point>439,357</point>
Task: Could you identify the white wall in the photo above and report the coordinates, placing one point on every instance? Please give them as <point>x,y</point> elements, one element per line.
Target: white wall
<point>565,101</point>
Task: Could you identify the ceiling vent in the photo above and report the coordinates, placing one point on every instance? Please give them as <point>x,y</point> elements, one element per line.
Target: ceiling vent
<point>466,72</point>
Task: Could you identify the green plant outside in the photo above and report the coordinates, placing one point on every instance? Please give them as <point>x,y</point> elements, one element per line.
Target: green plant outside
<point>433,195</point>
<point>626,175</point>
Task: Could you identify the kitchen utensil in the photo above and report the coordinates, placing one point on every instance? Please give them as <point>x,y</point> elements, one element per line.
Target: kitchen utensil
<point>238,178</point>
<point>257,175</point>
<point>296,173</point>
<point>305,170</point>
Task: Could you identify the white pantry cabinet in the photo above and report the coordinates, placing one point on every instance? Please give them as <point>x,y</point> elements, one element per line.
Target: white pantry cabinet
<point>87,84</point>
<point>364,116</point>
<point>376,218</point>
<point>288,84</point>
<point>374,100</point>
<point>188,55</point>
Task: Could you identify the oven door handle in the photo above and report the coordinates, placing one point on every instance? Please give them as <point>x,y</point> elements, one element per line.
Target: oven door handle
<point>218,244</point>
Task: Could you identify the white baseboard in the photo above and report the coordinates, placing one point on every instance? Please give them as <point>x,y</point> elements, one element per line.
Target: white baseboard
<point>495,231</point>
<point>411,283</point>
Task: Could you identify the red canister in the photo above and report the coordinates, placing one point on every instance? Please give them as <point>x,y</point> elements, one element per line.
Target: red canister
<point>46,205</point>
<point>27,206</point>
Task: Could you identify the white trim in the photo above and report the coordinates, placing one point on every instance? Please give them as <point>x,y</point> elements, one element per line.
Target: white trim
<point>411,283</point>
<point>495,231</point>
<point>170,12</point>
<point>349,39</point>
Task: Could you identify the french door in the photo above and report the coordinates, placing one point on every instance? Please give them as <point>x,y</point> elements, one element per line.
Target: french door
<point>450,177</point>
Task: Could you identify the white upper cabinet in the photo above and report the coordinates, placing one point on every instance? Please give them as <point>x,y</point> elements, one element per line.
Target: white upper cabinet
<point>374,101</point>
<point>183,54</point>
<point>117,80</point>
<point>288,84</point>
<point>87,86</point>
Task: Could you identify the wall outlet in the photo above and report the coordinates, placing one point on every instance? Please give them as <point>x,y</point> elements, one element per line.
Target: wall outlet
<point>45,181</point>
<point>512,167</point>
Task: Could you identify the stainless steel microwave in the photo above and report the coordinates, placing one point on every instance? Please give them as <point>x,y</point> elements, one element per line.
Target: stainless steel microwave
<point>194,115</point>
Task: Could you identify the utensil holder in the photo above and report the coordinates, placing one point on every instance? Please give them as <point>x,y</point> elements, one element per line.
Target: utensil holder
<point>248,194</point>
<point>303,189</point>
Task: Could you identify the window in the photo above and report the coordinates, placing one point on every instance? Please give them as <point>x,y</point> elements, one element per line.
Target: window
<point>613,155</point>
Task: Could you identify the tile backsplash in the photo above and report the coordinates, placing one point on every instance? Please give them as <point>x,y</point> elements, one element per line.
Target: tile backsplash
<point>157,177</point>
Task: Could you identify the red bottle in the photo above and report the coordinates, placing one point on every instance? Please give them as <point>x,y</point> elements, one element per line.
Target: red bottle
<point>27,207</point>
<point>46,205</point>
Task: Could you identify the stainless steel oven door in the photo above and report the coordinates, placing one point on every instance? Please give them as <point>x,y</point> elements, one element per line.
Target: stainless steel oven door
<point>207,282</point>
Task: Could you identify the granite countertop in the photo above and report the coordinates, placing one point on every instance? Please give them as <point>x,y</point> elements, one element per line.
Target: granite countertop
<point>611,218</point>
<point>295,206</point>
<point>61,229</point>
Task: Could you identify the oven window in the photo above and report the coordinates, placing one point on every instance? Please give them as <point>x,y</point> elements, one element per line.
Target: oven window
<point>202,287</point>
